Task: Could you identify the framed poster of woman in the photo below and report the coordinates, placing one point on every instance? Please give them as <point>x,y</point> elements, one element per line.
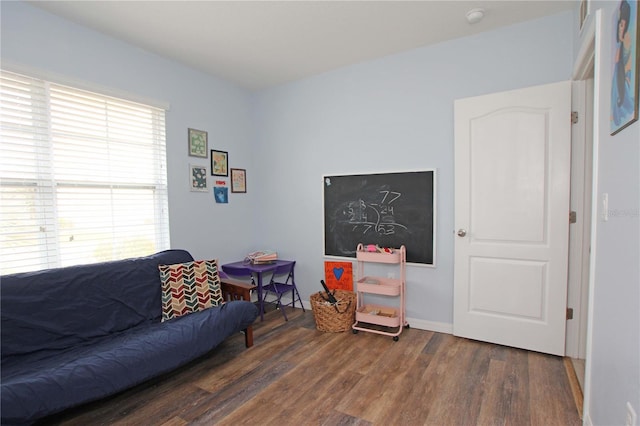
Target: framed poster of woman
<point>624,81</point>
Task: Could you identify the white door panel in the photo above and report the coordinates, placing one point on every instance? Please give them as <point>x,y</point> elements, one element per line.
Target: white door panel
<point>520,285</point>
<point>512,159</point>
<point>508,189</point>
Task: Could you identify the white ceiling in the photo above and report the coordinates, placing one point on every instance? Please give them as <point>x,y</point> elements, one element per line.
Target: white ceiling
<point>259,44</point>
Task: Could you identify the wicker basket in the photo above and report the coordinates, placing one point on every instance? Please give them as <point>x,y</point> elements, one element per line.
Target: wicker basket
<point>330,319</point>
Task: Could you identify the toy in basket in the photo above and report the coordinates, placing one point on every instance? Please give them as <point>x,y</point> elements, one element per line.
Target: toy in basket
<point>333,311</point>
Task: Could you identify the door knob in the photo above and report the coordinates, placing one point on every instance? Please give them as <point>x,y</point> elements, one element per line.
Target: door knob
<point>462,232</point>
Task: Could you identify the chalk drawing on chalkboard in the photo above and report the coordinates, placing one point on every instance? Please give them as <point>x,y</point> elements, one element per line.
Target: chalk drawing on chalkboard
<point>388,209</point>
<point>372,217</point>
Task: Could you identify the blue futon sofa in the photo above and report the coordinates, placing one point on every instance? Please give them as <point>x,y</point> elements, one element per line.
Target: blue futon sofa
<point>77,334</point>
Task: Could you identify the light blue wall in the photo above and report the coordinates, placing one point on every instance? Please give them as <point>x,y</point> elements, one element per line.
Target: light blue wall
<point>40,42</point>
<point>615,357</point>
<point>391,114</point>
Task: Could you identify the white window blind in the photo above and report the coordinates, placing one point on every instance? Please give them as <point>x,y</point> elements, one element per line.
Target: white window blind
<point>82,176</point>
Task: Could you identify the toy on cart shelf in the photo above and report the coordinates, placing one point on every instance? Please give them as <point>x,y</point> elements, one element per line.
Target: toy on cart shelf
<point>374,248</point>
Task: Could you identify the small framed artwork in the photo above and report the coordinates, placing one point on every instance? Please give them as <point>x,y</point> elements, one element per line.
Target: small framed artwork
<point>198,177</point>
<point>221,194</point>
<point>624,81</point>
<point>219,163</point>
<point>198,143</point>
<point>238,180</point>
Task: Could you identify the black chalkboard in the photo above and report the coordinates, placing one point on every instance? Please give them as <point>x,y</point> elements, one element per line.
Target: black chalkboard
<point>388,209</point>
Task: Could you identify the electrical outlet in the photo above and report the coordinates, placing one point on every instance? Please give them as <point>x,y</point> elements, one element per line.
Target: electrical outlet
<point>391,275</point>
<point>631,418</point>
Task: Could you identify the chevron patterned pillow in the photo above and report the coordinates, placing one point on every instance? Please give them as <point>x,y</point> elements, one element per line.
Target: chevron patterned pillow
<point>189,287</point>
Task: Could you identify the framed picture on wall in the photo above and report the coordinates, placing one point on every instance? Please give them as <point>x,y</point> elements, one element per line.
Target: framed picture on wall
<point>238,180</point>
<point>624,77</point>
<point>198,178</point>
<point>198,143</point>
<point>219,163</point>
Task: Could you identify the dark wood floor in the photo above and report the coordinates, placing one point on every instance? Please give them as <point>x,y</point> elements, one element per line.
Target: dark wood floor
<point>297,375</point>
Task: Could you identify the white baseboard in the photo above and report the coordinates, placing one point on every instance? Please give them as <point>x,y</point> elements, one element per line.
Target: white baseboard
<point>439,327</point>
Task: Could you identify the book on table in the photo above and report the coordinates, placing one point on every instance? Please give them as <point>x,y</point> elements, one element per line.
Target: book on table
<point>262,257</point>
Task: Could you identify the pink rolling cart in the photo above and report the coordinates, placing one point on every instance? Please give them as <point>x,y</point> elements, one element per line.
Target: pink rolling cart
<point>381,318</point>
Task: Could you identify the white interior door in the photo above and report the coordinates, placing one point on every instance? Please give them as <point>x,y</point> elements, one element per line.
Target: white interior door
<point>512,177</point>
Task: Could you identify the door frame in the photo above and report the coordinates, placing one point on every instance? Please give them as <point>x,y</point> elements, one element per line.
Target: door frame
<point>589,60</point>
<point>580,230</point>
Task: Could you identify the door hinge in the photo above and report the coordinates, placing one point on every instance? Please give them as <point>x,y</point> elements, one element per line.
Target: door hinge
<point>569,313</point>
<point>574,117</point>
<point>573,217</point>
